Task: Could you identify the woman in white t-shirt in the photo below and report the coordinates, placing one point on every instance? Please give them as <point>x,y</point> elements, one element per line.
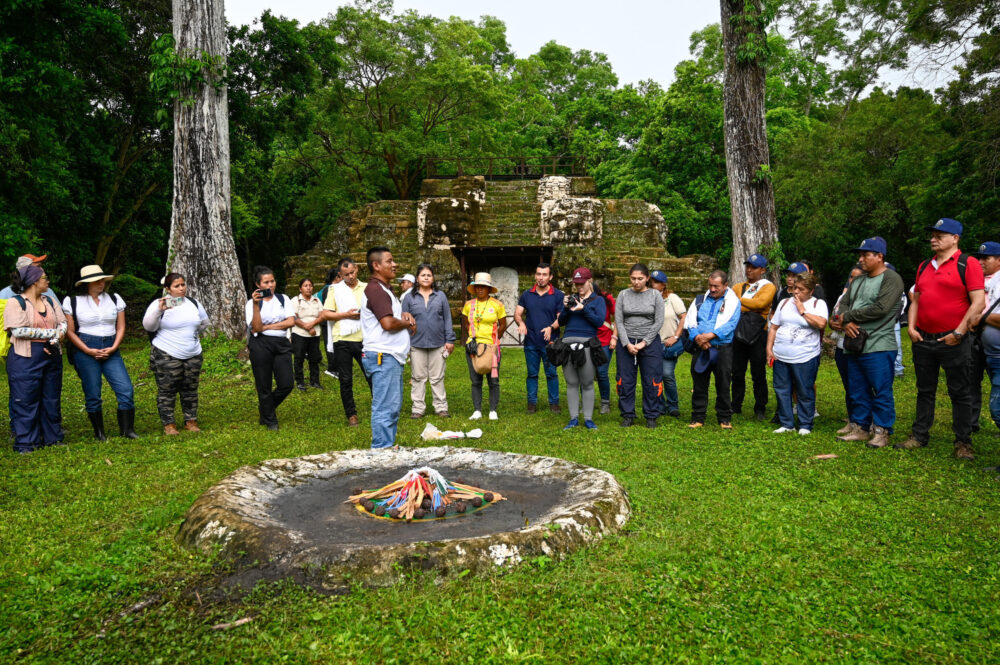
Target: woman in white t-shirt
<point>794,344</point>
<point>96,329</point>
<point>175,356</point>
<point>269,316</point>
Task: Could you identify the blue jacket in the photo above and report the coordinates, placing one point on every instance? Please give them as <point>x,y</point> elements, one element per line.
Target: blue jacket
<point>585,322</point>
<point>705,319</point>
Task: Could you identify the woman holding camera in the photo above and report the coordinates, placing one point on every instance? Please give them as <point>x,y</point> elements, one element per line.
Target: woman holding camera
<point>97,328</point>
<point>582,315</point>
<point>639,319</point>
<point>176,321</point>
<point>269,315</point>
<point>34,362</point>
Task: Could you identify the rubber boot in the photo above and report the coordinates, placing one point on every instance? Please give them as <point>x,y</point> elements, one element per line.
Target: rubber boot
<point>126,423</point>
<point>97,421</point>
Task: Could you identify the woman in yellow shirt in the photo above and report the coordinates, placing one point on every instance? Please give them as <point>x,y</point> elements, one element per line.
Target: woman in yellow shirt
<point>485,322</point>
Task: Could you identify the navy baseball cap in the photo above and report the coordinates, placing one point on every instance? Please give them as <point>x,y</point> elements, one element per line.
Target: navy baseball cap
<point>989,248</point>
<point>756,260</point>
<point>876,244</point>
<point>658,276</point>
<point>797,268</point>
<point>945,225</point>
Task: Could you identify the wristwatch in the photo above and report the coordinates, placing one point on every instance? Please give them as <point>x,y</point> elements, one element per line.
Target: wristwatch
<point>957,334</point>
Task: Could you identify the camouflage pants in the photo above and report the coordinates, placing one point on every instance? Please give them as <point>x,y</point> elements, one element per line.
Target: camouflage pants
<point>175,377</point>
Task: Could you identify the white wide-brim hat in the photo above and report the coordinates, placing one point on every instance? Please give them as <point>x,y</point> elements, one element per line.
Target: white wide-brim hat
<point>481,279</point>
<point>92,274</point>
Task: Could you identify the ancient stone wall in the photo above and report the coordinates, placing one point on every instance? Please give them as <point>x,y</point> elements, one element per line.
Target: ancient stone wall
<point>561,215</point>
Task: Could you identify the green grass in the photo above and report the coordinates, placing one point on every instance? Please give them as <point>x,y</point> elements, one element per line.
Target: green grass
<point>740,547</point>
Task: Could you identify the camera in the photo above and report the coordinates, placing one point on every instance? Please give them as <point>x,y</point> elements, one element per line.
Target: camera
<point>173,302</point>
<point>572,300</point>
<point>265,293</point>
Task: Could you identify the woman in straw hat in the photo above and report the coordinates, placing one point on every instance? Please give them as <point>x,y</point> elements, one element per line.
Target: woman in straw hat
<point>97,327</point>
<point>485,322</point>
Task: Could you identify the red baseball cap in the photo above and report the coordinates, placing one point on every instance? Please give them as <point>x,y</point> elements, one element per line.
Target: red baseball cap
<point>581,275</point>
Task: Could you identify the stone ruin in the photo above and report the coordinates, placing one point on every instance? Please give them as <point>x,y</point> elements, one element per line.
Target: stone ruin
<point>467,224</point>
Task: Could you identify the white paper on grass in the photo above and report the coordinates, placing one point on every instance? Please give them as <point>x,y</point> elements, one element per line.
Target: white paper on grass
<point>432,433</point>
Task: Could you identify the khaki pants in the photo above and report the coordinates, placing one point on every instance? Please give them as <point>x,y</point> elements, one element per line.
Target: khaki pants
<point>428,365</point>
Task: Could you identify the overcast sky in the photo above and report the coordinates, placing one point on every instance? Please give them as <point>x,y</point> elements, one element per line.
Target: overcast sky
<point>643,40</point>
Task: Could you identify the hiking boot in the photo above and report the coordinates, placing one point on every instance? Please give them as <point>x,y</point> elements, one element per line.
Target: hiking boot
<point>651,423</point>
<point>846,429</point>
<point>963,450</point>
<point>316,384</point>
<point>192,426</point>
<point>726,425</point>
<point>532,407</point>
<point>443,414</point>
<point>554,408</point>
<point>605,407</point>
<point>879,437</point>
<point>416,416</point>
<point>857,433</point>
<point>300,386</point>
<point>170,429</point>
<point>352,421</point>
<point>695,425</point>
<point>909,444</point>
<point>760,416</point>
<point>626,422</point>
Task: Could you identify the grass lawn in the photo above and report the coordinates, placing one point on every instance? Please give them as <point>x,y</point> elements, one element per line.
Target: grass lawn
<point>741,548</point>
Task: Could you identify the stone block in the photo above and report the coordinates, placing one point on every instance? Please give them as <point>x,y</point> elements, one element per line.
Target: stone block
<point>572,221</point>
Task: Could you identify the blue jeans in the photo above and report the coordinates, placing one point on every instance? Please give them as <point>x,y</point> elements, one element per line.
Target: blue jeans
<point>603,383</point>
<point>800,377</point>
<point>387,396</point>
<point>669,400</point>
<point>90,370</point>
<point>35,385</point>
<point>869,377</point>
<point>993,367</point>
<point>532,356</point>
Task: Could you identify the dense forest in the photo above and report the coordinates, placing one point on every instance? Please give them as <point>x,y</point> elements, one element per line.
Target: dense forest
<point>330,115</point>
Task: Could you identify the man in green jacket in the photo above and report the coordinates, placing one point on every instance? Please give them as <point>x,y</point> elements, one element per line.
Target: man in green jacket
<point>871,304</point>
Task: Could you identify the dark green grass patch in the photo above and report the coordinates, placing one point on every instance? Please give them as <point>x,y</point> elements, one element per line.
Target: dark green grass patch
<point>741,547</point>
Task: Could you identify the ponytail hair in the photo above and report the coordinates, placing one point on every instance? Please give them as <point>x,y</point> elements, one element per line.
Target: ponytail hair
<point>259,272</point>
<point>16,283</point>
<point>171,278</point>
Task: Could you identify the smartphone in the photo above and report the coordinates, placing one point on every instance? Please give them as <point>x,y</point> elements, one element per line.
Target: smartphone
<point>173,302</point>
<point>265,293</point>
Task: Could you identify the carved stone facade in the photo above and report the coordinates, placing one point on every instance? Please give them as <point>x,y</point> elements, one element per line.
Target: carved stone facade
<point>467,224</point>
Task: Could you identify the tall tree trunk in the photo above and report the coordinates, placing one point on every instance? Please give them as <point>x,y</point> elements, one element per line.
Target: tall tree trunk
<point>201,234</point>
<point>747,158</point>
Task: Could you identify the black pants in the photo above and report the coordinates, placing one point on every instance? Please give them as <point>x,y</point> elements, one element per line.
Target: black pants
<point>977,369</point>
<point>649,363</point>
<point>344,353</point>
<point>756,356</point>
<point>330,363</point>
<point>271,356</point>
<point>928,359</point>
<point>723,372</point>
<point>302,348</point>
<point>477,386</point>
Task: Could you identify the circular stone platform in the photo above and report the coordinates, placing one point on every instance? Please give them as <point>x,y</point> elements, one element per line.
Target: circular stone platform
<point>288,516</point>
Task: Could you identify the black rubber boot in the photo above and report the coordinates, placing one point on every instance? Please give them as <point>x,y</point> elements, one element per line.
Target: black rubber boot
<point>126,423</point>
<point>97,421</point>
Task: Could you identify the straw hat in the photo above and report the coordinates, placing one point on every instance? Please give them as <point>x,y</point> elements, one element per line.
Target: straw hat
<point>482,279</point>
<point>92,274</point>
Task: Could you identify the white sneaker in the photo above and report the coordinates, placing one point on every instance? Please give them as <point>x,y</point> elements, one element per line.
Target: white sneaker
<point>782,430</point>
<point>815,413</point>
<point>332,375</point>
<point>476,415</point>
<point>805,432</point>
<point>494,416</point>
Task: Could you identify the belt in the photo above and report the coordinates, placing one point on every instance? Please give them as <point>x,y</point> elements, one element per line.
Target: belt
<point>933,336</point>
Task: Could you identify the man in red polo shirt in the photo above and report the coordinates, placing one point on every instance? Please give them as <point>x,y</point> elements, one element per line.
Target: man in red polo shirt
<point>948,294</point>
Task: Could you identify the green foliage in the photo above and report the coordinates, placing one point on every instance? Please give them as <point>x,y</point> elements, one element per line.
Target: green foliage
<point>741,547</point>
<point>175,76</point>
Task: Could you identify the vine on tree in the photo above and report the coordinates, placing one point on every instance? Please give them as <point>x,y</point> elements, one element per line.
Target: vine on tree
<point>175,76</point>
